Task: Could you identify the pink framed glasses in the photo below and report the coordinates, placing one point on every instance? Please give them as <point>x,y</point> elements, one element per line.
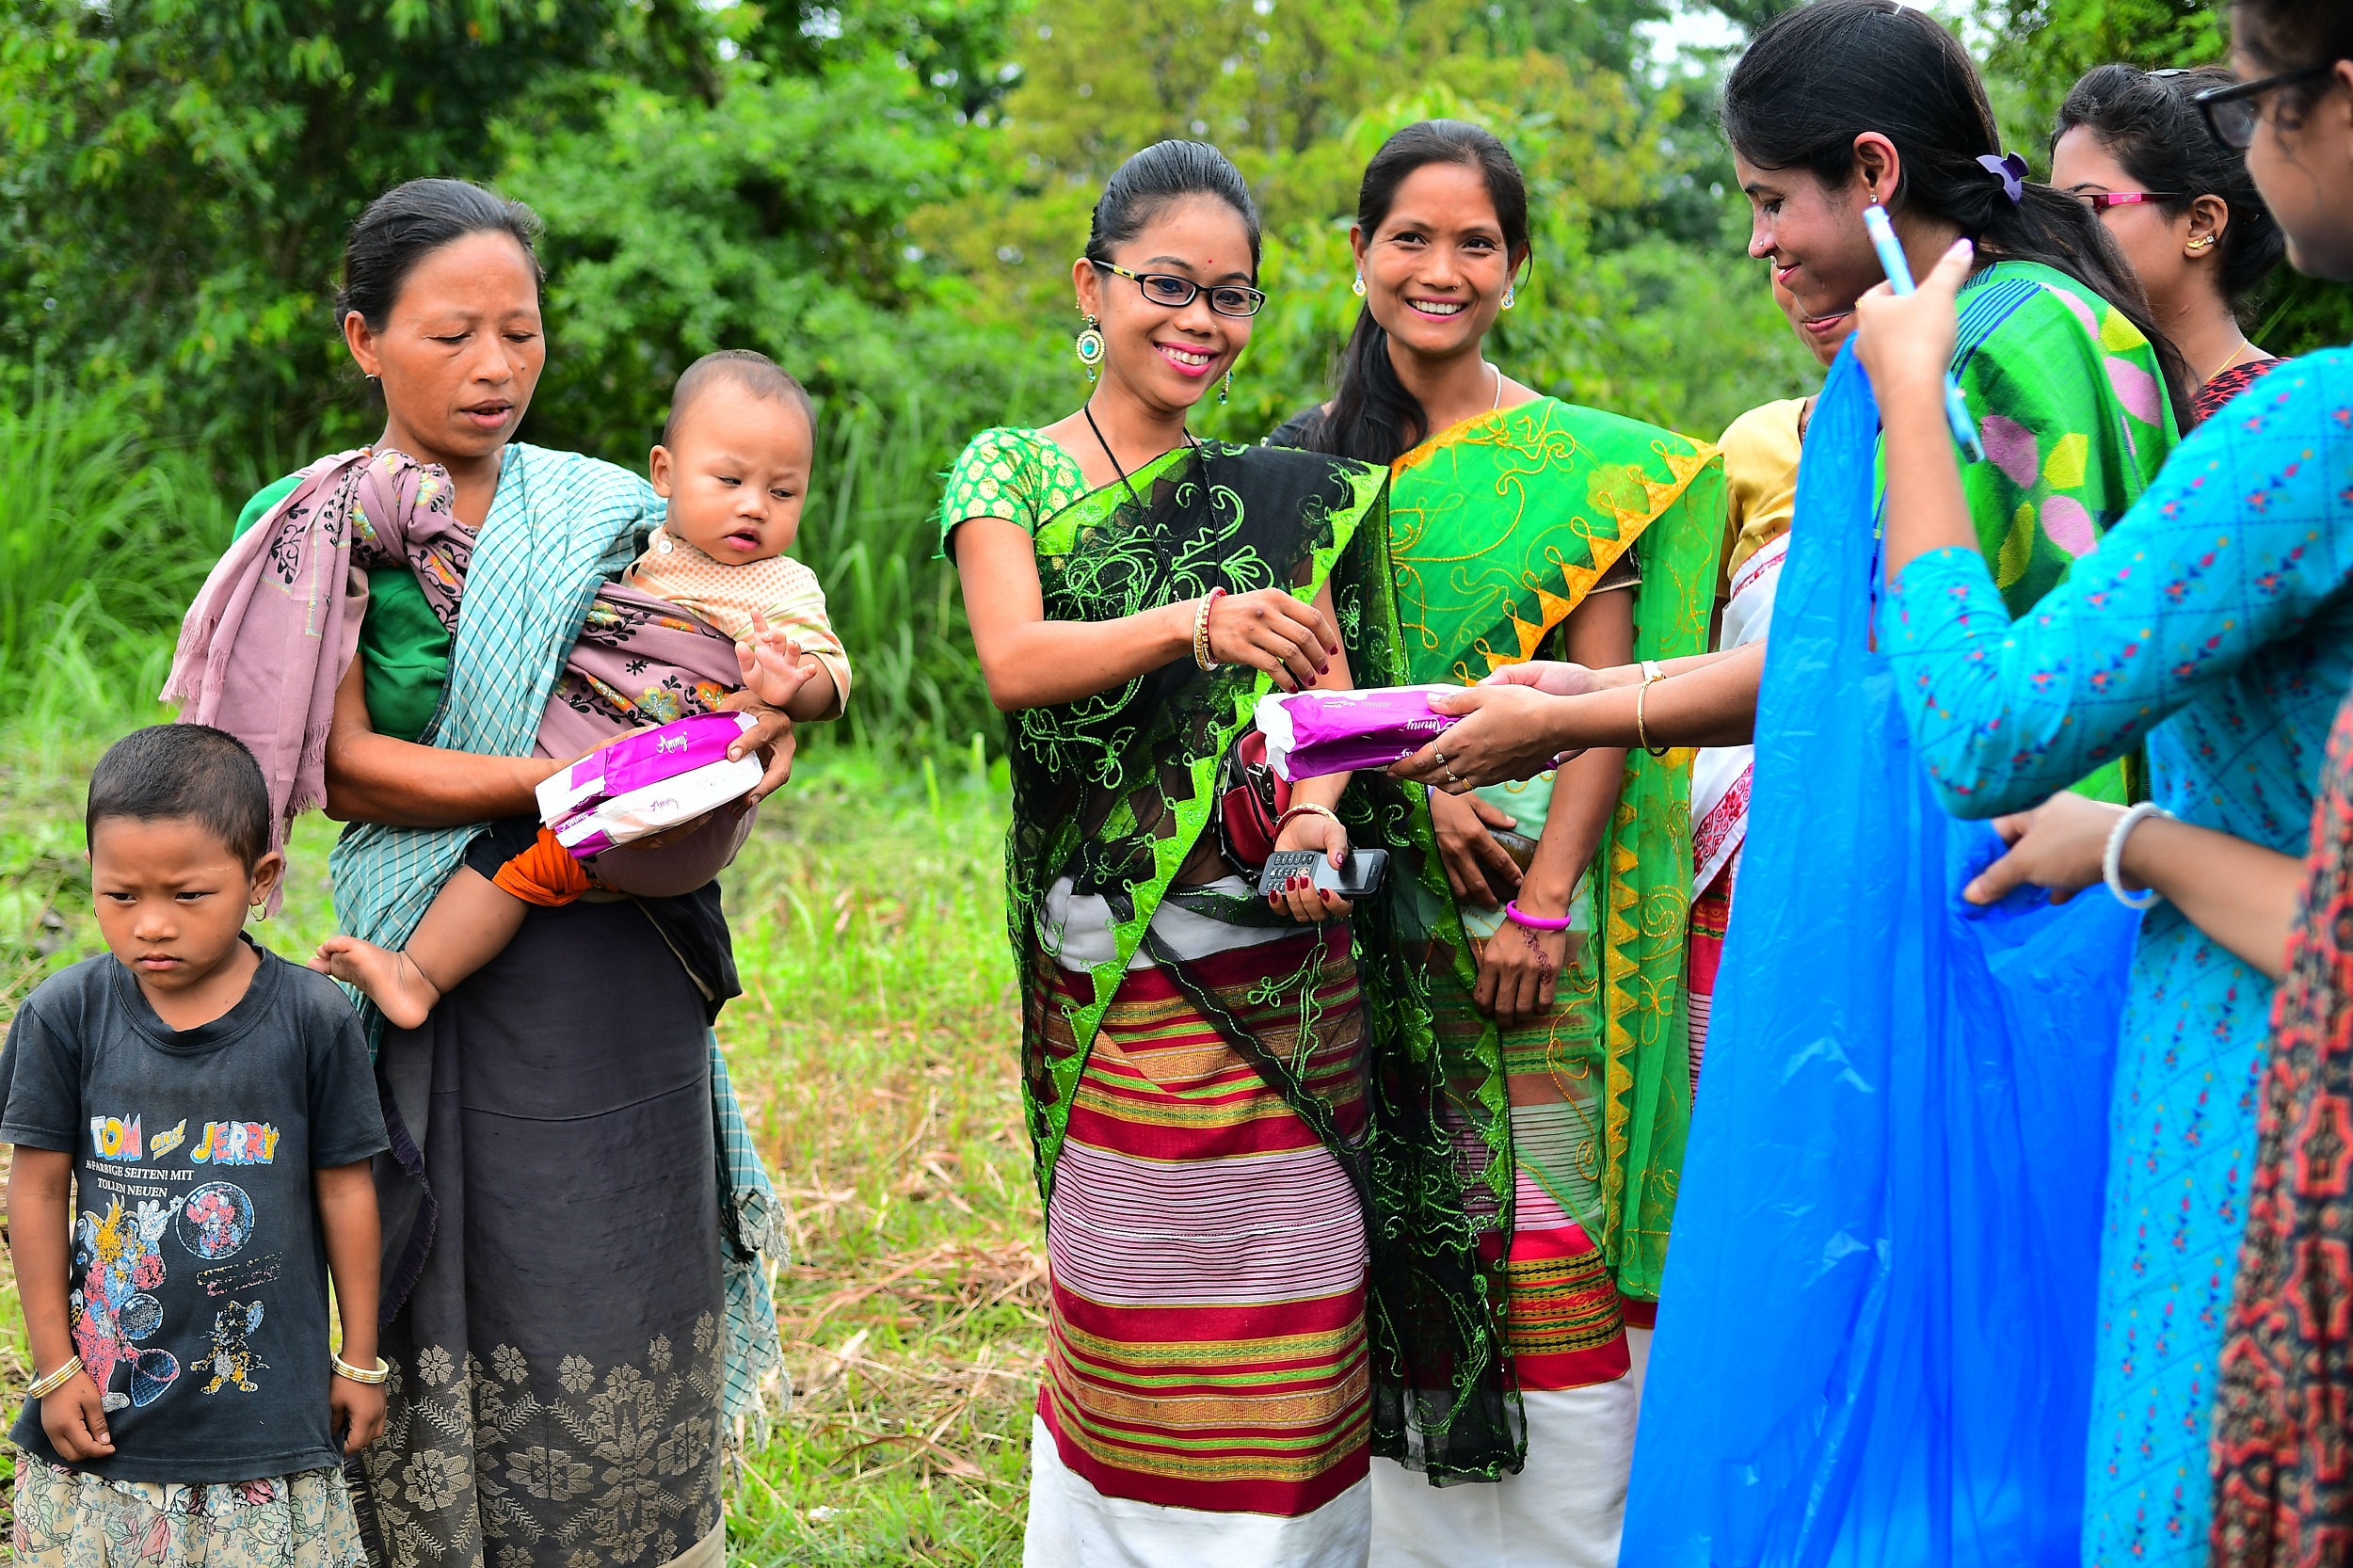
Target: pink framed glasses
<point>2101,200</point>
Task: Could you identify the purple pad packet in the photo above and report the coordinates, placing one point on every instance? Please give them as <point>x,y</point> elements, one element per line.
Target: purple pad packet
<point>1309,734</point>
<point>638,761</point>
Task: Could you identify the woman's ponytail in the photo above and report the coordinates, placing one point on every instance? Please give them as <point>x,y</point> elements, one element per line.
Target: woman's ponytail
<point>1373,418</point>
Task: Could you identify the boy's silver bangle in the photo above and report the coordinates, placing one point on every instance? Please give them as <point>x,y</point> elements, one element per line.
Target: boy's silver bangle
<point>57,1380</point>
<point>357,1374</point>
<point>2112,858</point>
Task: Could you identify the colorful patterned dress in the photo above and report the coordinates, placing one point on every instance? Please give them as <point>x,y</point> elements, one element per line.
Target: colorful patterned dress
<point>2212,625</point>
<point>1500,528</point>
<point>1247,1133</point>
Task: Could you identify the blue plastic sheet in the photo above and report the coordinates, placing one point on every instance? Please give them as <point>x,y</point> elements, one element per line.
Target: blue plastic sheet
<point>1875,1335</point>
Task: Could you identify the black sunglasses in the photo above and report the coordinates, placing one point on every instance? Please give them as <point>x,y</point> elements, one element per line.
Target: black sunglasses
<point>1163,288</point>
<point>2234,112</point>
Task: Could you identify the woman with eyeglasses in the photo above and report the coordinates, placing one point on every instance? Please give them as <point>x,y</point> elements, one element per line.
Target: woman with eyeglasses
<point>2214,623</point>
<point>1262,1263</point>
<point>2180,205</point>
<point>1518,523</point>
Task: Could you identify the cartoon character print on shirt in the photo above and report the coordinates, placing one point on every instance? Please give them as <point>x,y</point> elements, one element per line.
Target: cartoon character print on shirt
<point>120,1259</point>
<point>120,1263</point>
<point>232,1359</point>
<point>217,1220</point>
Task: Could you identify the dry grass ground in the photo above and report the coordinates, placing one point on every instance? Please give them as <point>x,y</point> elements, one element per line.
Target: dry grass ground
<point>873,1051</point>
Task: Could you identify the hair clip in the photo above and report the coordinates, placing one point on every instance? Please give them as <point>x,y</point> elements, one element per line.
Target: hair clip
<point>2009,169</point>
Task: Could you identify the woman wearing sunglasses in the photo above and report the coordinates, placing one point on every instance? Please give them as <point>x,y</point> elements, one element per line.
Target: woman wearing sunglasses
<point>2214,623</point>
<point>1262,1267</point>
<point>2180,205</point>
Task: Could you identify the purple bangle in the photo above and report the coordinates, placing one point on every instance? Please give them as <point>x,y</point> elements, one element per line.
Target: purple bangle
<point>1535,922</point>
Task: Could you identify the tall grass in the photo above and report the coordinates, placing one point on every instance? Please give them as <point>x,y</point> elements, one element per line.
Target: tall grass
<point>105,536</point>
<point>871,535</point>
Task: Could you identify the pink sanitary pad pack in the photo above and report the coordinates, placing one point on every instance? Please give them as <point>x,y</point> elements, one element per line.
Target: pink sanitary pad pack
<point>644,783</point>
<point>1312,733</point>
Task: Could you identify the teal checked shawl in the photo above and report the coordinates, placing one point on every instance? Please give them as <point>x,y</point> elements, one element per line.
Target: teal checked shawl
<point>560,525</point>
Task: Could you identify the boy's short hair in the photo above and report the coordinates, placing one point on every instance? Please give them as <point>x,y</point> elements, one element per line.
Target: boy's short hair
<point>184,772</point>
<point>754,373</point>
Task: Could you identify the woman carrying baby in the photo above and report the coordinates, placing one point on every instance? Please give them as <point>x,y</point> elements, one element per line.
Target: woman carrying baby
<point>415,635</point>
<point>1263,1262</point>
<point>1520,523</point>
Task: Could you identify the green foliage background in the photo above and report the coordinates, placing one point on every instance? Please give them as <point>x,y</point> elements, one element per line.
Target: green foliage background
<point>883,194</point>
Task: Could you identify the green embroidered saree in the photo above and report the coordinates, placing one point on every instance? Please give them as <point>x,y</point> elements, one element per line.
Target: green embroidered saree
<point>1500,527</point>
<point>1113,794</point>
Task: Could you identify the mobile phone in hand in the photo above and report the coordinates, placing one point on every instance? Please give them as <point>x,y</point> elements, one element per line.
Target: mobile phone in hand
<point>1358,876</point>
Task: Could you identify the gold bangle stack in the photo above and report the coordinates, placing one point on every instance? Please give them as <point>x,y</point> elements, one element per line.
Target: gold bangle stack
<point>345,1369</point>
<point>1201,629</point>
<point>1651,672</point>
<point>57,1380</point>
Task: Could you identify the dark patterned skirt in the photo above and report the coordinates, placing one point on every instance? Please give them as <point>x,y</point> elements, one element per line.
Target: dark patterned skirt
<point>552,1262</point>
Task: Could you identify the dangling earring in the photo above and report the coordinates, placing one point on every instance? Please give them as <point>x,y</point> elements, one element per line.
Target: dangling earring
<point>1088,347</point>
<point>1510,295</point>
<point>1360,286</point>
<point>1227,387</point>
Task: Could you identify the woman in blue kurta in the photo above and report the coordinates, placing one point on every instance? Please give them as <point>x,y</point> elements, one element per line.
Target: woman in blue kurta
<point>2214,625</point>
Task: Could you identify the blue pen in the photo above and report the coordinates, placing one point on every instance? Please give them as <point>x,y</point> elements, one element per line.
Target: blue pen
<point>1899,279</point>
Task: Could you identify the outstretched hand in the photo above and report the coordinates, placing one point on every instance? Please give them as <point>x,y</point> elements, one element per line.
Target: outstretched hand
<point>1906,341</point>
<point>1549,676</point>
<point>1502,735</point>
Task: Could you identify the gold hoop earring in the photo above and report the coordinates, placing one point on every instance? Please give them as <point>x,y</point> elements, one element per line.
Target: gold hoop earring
<point>1360,286</point>
<point>1089,346</point>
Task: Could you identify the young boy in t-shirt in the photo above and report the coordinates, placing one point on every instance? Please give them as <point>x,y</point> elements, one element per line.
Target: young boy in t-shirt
<point>192,1118</point>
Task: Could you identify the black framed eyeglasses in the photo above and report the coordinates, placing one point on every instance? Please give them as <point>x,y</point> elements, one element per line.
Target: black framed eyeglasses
<point>2234,112</point>
<point>1166,288</point>
<point>2101,200</point>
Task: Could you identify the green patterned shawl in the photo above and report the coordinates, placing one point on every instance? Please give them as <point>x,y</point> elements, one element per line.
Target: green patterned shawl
<point>1114,791</point>
<point>1501,526</point>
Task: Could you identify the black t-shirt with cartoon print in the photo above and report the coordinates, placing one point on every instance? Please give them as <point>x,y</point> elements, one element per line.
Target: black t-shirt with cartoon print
<point>199,1272</point>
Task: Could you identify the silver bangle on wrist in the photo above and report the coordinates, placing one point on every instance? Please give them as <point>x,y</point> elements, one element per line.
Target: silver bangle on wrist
<point>2112,859</point>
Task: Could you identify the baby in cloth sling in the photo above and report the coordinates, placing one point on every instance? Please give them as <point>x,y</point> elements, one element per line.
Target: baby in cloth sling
<point>734,464</point>
<point>711,615</point>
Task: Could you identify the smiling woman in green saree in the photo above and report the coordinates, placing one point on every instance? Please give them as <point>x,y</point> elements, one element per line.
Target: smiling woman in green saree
<point>1519,523</point>
<point>1265,1264</point>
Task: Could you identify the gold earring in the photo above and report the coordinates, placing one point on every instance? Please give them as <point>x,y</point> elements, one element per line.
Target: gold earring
<point>2202,242</point>
<point>1088,347</point>
<point>1360,286</point>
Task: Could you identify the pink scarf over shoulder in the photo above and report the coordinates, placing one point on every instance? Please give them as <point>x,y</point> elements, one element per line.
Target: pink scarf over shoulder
<point>277,624</point>
<point>274,627</point>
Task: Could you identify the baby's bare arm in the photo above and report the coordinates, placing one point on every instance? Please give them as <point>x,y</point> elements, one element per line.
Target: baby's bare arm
<point>818,698</point>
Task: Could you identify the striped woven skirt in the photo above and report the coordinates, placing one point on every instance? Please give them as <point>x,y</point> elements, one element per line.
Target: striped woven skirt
<point>1207,1386</point>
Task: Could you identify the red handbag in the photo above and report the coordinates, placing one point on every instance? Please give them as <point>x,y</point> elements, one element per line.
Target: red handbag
<point>1251,799</point>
